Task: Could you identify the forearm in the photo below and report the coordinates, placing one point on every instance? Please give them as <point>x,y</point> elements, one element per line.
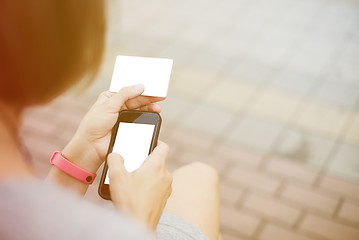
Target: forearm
<point>83,156</point>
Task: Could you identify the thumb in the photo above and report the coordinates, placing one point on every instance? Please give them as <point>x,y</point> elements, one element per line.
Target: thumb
<point>116,167</point>
<point>103,97</point>
<point>115,103</point>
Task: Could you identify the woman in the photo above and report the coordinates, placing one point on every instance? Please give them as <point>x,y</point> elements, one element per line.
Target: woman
<point>45,48</point>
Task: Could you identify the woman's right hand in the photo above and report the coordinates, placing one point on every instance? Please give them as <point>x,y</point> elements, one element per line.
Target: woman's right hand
<point>144,192</point>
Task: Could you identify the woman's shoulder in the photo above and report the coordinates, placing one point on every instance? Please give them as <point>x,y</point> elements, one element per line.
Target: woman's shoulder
<point>34,209</point>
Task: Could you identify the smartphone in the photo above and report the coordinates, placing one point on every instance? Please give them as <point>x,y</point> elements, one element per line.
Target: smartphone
<point>134,136</point>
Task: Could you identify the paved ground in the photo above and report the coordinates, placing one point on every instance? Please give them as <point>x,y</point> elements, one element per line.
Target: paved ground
<point>267,91</point>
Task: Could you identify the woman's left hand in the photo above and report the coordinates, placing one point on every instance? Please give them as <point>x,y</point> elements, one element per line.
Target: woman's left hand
<point>88,148</point>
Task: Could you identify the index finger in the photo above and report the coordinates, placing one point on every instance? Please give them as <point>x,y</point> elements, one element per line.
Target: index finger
<point>118,99</point>
<point>159,154</point>
<point>141,101</point>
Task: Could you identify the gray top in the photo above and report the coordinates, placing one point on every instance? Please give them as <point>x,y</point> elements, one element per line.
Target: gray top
<point>36,210</point>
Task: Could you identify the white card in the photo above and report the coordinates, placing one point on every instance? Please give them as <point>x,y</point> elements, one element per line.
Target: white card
<point>154,73</point>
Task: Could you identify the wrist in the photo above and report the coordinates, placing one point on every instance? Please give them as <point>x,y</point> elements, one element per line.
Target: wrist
<point>82,154</point>
<point>62,163</point>
<point>141,214</point>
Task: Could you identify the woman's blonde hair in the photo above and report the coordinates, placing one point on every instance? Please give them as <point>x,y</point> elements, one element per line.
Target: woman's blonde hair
<point>46,46</point>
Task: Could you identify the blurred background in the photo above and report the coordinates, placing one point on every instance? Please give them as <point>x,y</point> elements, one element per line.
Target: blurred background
<point>266,91</point>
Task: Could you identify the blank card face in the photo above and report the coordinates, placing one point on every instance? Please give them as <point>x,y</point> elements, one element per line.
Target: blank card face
<point>154,73</point>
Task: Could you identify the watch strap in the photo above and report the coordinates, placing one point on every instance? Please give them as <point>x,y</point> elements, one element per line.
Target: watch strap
<point>71,169</point>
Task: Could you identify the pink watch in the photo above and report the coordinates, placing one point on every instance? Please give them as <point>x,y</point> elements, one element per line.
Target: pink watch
<point>71,169</point>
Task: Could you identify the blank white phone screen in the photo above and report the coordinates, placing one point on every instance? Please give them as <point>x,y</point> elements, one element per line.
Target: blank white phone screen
<point>133,141</point>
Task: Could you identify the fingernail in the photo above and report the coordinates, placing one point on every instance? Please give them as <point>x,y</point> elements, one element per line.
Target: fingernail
<point>139,87</point>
